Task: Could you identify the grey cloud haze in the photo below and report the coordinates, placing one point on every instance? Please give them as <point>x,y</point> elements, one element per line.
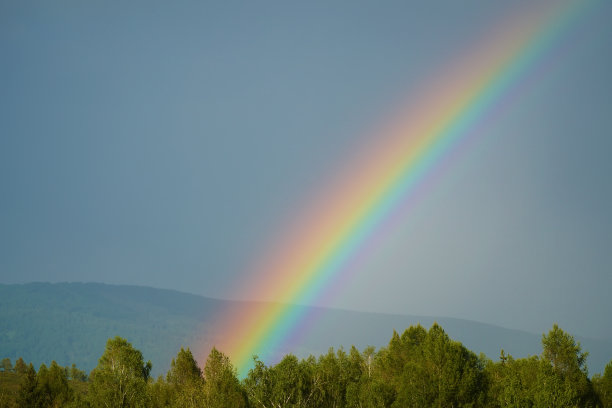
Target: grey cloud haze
<point>163,144</point>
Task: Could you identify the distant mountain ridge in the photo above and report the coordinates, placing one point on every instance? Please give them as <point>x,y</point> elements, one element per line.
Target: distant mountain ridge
<point>70,323</point>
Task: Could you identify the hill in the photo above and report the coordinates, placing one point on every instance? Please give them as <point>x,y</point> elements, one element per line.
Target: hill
<point>70,323</point>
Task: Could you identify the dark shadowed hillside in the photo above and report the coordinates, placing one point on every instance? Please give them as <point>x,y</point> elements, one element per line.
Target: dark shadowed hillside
<point>70,323</point>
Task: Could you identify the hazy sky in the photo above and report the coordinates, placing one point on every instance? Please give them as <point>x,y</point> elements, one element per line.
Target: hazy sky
<point>166,143</point>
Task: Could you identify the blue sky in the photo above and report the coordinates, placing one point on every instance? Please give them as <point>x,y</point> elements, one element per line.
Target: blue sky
<point>160,144</point>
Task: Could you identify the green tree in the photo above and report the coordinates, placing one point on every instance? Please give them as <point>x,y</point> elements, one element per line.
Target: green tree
<point>52,387</point>
<point>568,362</point>
<point>221,386</point>
<point>456,372</point>
<point>377,385</point>
<point>563,352</point>
<point>161,394</point>
<point>333,381</point>
<point>426,368</point>
<point>291,383</point>
<point>552,391</point>
<point>555,379</point>
<point>512,382</point>
<point>355,371</point>
<point>184,369</point>
<point>185,378</point>
<point>42,383</point>
<point>28,394</point>
<point>120,378</point>
<point>76,374</point>
<point>603,386</point>
<point>6,365</point>
<point>258,384</point>
<point>369,384</point>
<point>20,366</point>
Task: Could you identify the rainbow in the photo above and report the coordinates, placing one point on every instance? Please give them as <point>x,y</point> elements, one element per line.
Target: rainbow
<point>313,257</point>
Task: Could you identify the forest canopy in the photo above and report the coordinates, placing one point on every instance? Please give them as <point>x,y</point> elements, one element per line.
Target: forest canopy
<point>418,368</point>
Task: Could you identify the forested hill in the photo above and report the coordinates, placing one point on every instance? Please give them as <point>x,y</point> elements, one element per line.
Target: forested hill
<point>71,322</point>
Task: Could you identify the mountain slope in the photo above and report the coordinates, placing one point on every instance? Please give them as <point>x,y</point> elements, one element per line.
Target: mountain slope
<point>70,323</point>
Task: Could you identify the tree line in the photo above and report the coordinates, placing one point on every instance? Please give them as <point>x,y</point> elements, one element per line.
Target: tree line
<point>419,368</point>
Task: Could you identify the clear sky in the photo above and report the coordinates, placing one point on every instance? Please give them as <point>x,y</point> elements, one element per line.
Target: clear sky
<point>167,143</point>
